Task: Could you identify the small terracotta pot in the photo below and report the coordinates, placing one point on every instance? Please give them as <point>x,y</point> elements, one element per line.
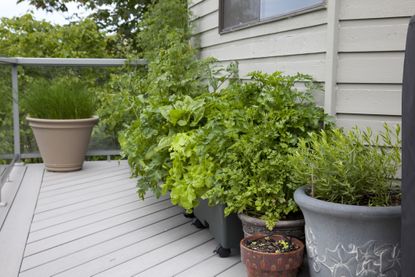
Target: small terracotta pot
<point>260,264</point>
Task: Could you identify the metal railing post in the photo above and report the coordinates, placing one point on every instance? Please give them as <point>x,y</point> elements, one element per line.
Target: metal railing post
<point>16,123</point>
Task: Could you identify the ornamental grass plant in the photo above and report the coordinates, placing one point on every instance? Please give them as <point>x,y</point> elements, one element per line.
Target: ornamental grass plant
<point>355,167</point>
<point>62,98</point>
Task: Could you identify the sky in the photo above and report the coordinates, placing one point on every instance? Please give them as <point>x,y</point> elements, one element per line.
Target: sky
<point>9,8</point>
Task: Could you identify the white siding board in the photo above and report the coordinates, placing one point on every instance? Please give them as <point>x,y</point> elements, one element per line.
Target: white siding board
<point>304,41</point>
<point>378,68</point>
<point>204,7</point>
<point>373,35</point>
<point>308,64</point>
<point>376,123</point>
<point>369,99</point>
<point>212,37</point>
<point>358,9</point>
<point>205,23</point>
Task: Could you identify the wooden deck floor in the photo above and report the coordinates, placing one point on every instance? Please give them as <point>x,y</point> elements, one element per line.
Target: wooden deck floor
<point>91,223</point>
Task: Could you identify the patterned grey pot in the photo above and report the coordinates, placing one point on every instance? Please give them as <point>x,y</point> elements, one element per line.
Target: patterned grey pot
<point>252,225</point>
<point>346,240</point>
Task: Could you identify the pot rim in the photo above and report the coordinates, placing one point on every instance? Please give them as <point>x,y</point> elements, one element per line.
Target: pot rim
<point>94,118</point>
<point>260,222</point>
<point>256,236</point>
<point>303,200</point>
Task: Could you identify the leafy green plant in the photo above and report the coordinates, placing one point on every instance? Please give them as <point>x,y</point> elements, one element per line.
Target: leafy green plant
<point>356,168</point>
<point>59,99</point>
<point>239,156</point>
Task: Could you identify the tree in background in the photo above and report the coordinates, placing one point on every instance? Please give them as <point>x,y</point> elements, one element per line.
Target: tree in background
<point>121,18</point>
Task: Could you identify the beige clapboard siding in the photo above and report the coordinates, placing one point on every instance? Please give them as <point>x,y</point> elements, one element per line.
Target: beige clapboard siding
<point>302,41</point>
<point>194,3</point>
<point>373,35</point>
<point>205,23</point>
<point>212,37</point>
<point>203,8</point>
<point>370,99</point>
<point>376,123</point>
<point>370,67</point>
<point>309,64</point>
<point>364,9</point>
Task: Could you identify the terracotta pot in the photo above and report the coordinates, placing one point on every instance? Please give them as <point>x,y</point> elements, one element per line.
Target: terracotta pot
<point>292,228</point>
<point>259,264</point>
<point>62,142</point>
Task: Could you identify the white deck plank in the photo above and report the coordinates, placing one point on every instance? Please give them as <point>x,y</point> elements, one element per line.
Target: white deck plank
<point>238,269</point>
<point>9,191</point>
<point>182,262</point>
<point>83,199</point>
<point>130,210</point>
<point>211,267</point>
<point>95,258</point>
<point>81,186</point>
<point>97,238</point>
<point>14,232</point>
<point>84,180</point>
<point>159,255</point>
<point>94,188</point>
<point>90,168</point>
<point>62,238</point>
<point>90,211</point>
<point>125,254</point>
<point>83,205</point>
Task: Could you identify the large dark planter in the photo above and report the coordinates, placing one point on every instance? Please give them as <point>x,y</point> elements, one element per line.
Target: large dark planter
<point>347,240</point>
<point>260,264</point>
<point>226,230</point>
<point>252,225</point>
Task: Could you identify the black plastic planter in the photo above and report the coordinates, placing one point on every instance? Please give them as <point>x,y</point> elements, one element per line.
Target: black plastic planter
<point>226,230</point>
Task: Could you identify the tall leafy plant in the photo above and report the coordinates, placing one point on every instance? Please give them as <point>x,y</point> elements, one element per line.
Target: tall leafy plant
<point>168,99</point>
<point>239,157</point>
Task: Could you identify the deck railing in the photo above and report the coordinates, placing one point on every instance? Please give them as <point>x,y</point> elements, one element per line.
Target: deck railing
<point>54,62</point>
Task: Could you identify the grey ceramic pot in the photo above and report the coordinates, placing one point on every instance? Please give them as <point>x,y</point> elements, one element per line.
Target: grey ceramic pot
<point>347,240</point>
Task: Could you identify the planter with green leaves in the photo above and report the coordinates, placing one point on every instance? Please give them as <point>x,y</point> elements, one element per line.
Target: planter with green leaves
<point>238,158</point>
<point>351,206</point>
<point>61,116</point>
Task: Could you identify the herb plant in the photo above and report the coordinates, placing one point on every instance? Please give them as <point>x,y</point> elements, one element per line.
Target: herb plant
<point>355,168</point>
<point>239,156</point>
<point>63,98</point>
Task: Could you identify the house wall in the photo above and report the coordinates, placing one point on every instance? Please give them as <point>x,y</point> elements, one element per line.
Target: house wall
<point>363,58</point>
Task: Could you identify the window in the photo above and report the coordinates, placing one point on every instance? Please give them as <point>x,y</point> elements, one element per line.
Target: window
<point>238,13</point>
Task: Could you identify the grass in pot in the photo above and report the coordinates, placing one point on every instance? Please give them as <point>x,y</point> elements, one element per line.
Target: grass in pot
<point>351,201</point>
<point>61,114</point>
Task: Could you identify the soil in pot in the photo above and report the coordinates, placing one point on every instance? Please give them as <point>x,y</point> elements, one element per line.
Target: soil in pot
<point>272,255</point>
